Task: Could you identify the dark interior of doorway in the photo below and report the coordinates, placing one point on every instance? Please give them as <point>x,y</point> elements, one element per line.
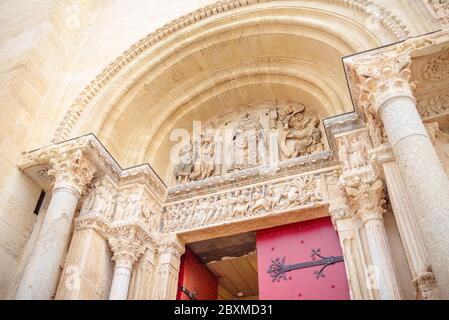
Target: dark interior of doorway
<point>232,261</point>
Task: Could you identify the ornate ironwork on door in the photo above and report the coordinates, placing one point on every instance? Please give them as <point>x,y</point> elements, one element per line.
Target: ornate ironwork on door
<point>278,269</point>
<point>192,295</point>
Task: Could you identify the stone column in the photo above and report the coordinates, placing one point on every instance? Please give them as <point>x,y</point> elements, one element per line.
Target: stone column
<point>410,234</point>
<point>87,272</point>
<point>170,250</point>
<point>385,84</point>
<point>71,172</point>
<point>367,198</point>
<point>127,248</point>
<point>347,230</point>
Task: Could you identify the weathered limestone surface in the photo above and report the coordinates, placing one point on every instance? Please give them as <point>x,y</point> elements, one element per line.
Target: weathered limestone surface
<point>52,50</point>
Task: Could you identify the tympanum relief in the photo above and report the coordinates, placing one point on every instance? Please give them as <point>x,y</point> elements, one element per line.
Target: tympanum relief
<point>259,134</point>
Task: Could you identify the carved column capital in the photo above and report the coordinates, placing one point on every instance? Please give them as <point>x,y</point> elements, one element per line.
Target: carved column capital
<point>386,75</point>
<point>127,246</point>
<point>71,170</point>
<point>338,201</point>
<point>426,285</point>
<point>172,247</point>
<point>368,200</point>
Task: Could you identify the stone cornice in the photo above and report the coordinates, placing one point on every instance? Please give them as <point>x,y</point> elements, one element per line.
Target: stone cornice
<point>37,164</point>
<point>389,20</point>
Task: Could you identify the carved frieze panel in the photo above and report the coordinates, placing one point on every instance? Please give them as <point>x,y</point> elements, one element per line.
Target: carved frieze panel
<point>114,205</point>
<point>255,201</point>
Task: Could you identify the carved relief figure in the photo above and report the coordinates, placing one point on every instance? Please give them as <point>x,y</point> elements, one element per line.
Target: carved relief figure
<point>353,152</point>
<point>204,158</point>
<point>184,167</point>
<point>375,127</point>
<point>130,204</point>
<point>248,148</point>
<point>299,132</point>
<point>273,197</point>
<point>100,200</point>
<point>198,162</point>
<point>358,153</point>
<point>259,201</point>
<point>242,205</point>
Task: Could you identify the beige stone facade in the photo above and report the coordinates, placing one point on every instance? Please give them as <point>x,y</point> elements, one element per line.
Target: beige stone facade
<point>151,125</point>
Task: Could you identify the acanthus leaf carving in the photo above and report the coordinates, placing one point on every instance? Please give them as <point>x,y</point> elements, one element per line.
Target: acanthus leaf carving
<point>126,244</point>
<point>71,169</point>
<point>383,76</point>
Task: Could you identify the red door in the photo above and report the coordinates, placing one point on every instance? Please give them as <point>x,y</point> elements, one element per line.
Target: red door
<point>195,279</point>
<point>303,245</point>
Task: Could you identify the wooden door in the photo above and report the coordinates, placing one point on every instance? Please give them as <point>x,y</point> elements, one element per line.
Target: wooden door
<point>195,280</point>
<point>301,245</point>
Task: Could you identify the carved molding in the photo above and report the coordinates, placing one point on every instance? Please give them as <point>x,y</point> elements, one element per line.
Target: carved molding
<point>253,175</point>
<point>439,10</point>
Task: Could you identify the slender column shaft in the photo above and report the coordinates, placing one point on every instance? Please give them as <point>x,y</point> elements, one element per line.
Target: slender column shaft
<point>408,229</point>
<point>120,282</point>
<point>425,180</point>
<point>41,273</point>
<point>381,257</point>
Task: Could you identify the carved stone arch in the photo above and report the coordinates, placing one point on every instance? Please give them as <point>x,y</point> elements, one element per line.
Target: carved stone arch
<point>104,101</point>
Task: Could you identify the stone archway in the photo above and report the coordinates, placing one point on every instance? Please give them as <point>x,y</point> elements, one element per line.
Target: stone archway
<point>148,85</point>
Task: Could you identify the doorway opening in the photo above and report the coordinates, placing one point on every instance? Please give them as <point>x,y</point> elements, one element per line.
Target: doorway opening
<point>220,269</point>
<point>299,261</point>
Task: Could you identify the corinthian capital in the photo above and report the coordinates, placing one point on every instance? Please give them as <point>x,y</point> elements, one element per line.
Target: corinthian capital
<point>72,170</point>
<point>367,199</point>
<point>127,246</point>
<point>385,75</point>
<point>171,246</point>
